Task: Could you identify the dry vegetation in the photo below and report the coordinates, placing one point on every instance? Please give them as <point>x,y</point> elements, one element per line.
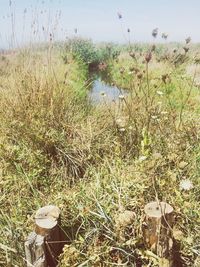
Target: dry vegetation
<point>99,164</point>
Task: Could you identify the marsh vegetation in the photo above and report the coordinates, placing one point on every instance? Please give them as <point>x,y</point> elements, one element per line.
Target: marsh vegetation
<point>100,163</point>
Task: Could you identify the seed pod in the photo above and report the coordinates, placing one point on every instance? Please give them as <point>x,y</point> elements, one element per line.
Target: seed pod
<point>139,76</point>
<point>188,40</point>
<point>136,70</point>
<point>122,70</point>
<point>132,54</point>
<point>119,15</point>
<point>153,48</point>
<point>164,35</point>
<point>197,60</point>
<point>165,78</point>
<point>186,49</point>
<point>155,32</point>
<point>148,57</point>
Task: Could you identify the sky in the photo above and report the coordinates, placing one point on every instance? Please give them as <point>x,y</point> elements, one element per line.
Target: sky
<point>28,21</point>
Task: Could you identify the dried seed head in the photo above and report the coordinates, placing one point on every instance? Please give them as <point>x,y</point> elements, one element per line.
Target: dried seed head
<point>153,48</point>
<point>155,32</point>
<point>148,57</point>
<point>197,60</point>
<point>119,15</point>
<point>50,37</point>
<point>136,70</point>
<point>122,70</point>
<point>132,54</point>
<point>139,76</point>
<point>186,49</point>
<point>164,35</point>
<point>165,78</point>
<point>188,40</point>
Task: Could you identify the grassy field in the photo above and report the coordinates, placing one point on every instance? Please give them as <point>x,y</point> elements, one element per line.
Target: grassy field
<point>100,164</point>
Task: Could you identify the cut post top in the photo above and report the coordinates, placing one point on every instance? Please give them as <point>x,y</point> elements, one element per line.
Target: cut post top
<point>157,209</point>
<point>47,217</point>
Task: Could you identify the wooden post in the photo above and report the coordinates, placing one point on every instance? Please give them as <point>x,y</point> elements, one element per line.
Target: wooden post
<point>157,230</point>
<point>45,244</point>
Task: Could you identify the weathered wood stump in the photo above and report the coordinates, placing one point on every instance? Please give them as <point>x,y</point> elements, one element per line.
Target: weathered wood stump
<point>45,244</point>
<point>157,229</point>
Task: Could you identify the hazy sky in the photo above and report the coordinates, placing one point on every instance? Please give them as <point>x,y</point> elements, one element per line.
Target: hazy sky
<point>33,20</point>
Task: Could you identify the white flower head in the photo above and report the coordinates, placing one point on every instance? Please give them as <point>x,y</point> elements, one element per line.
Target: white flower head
<point>121,122</point>
<point>142,158</point>
<point>186,185</point>
<point>122,129</point>
<point>160,93</point>
<point>118,120</point>
<point>121,97</point>
<point>154,117</point>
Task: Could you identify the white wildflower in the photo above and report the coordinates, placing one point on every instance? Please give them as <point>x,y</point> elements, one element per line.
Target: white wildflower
<point>154,117</point>
<point>164,112</point>
<point>121,97</point>
<point>118,121</point>
<point>142,158</point>
<point>121,122</point>
<point>160,93</point>
<point>157,155</point>
<point>186,185</point>
<point>122,129</point>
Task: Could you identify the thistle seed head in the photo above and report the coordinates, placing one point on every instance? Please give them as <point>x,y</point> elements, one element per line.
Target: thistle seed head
<point>155,32</point>
<point>148,57</point>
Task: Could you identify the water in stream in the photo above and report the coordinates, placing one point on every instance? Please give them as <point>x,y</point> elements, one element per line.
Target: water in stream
<point>101,90</point>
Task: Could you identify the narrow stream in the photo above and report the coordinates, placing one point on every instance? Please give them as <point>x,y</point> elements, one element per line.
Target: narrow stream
<point>102,90</point>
